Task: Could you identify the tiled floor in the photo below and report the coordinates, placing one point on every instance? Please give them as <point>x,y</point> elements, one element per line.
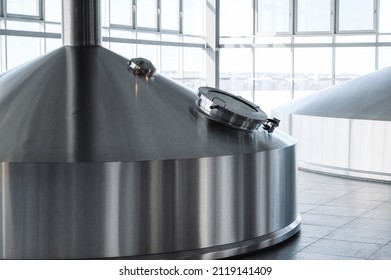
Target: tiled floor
<point>342,219</point>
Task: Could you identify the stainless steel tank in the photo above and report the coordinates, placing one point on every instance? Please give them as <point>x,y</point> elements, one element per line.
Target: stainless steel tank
<point>103,158</point>
<point>346,129</point>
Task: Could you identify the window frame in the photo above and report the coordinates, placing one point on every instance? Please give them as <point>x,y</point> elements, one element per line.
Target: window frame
<point>296,30</point>
<point>23,16</point>
<point>257,17</point>
<point>361,31</point>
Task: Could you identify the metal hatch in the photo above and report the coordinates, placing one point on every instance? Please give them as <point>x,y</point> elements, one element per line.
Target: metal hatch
<point>229,109</point>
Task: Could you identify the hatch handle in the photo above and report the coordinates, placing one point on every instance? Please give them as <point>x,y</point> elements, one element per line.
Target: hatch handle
<point>270,124</point>
<point>217,103</point>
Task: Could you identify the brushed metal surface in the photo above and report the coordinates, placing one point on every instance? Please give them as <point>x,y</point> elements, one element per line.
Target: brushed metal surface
<point>346,129</point>
<point>82,104</point>
<point>120,209</point>
<point>81,23</point>
<point>367,98</point>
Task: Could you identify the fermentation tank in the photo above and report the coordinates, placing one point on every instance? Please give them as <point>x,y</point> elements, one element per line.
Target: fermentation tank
<point>102,157</point>
<point>346,129</point>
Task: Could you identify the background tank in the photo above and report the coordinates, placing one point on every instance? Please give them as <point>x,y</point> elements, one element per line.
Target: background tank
<point>345,129</point>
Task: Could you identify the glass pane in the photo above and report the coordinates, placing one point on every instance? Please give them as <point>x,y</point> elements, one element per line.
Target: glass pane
<point>313,63</point>
<point>17,53</point>
<point>355,39</point>
<point>312,70</point>
<point>384,16</point>
<point>355,15</point>
<point>52,44</point>
<point>193,83</point>
<point>53,10</point>
<point>117,33</point>
<point>53,28</point>
<point>273,16</point>
<point>272,80</point>
<point>170,61</point>
<point>23,7</point>
<point>169,14</point>
<point>122,49</point>
<point>266,67</point>
<point>235,63</point>
<point>313,15</point>
<point>193,17</point>
<point>121,12</point>
<point>2,52</point>
<point>235,72</point>
<point>384,57</point>
<point>23,25</point>
<point>236,19</point>
<point>147,13</point>
<point>271,94</point>
<point>353,62</point>
<point>193,63</point>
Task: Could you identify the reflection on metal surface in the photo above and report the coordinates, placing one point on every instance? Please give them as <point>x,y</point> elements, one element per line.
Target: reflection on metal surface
<point>119,209</point>
<point>229,109</point>
<point>346,129</point>
<point>97,162</point>
<point>142,66</point>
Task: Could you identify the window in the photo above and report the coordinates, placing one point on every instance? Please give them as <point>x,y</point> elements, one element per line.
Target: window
<point>193,63</point>
<point>384,57</point>
<point>1,14</point>
<point>273,16</point>
<point>193,17</point>
<point>352,62</point>
<point>313,16</point>
<point>236,20</point>
<point>24,7</point>
<point>236,71</point>
<point>272,80</point>
<point>169,13</point>
<point>313,68</point>
<point>17,53</point>
<point>147,14</point>
<point>170,61</point>
<point>355,15</point>
<point>53,10</point>
<point>384,16</point>
<point>121,12</point>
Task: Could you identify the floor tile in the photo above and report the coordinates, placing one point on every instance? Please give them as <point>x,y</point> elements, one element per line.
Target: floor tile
<point>283,251</point>
<point>384,189</point>
<point>382,254</point>
<point>314,199</point>
<point>385,206</point>
<point>369,223</point>
<point>349,201</point>
<point>342,248</point>
<point>338,211</point>
<point>316,231</point>
<point>332,193</point>
<point>305,207</point>
<point>378,214</point>
<point>311,256</point>
<point>365,195</point>
<point>325,220</point>
<point>361,235</point>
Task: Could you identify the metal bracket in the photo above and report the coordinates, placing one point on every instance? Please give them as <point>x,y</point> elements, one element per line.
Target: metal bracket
<point>142,66</point>
<point>270,124</point>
